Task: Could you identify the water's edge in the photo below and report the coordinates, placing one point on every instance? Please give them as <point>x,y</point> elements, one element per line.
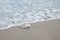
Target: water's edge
<point>27,22</point>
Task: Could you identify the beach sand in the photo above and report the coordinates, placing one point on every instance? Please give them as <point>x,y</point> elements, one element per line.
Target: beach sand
<point>47,30</point>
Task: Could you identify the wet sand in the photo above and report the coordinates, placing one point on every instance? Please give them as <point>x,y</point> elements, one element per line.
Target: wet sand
<point>48,30</point>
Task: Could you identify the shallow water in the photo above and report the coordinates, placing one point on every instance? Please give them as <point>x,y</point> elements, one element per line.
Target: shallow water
<point>17,12</point>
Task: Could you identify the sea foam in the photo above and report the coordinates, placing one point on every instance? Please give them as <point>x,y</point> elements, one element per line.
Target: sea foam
<point>18,12</point>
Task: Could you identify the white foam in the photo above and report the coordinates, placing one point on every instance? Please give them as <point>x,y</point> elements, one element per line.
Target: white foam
<point>18,12</point>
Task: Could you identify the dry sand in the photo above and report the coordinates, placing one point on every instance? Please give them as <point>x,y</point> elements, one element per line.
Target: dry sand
<point>48,30</point>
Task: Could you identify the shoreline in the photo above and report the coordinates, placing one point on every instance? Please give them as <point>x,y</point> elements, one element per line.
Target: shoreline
<point>47,30</point>
<point>13,25</point>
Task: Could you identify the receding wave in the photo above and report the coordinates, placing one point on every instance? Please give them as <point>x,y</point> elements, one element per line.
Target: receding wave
<point>18,12</point>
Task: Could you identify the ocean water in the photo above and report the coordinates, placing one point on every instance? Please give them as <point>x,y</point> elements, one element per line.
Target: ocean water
<point>18,12</point>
